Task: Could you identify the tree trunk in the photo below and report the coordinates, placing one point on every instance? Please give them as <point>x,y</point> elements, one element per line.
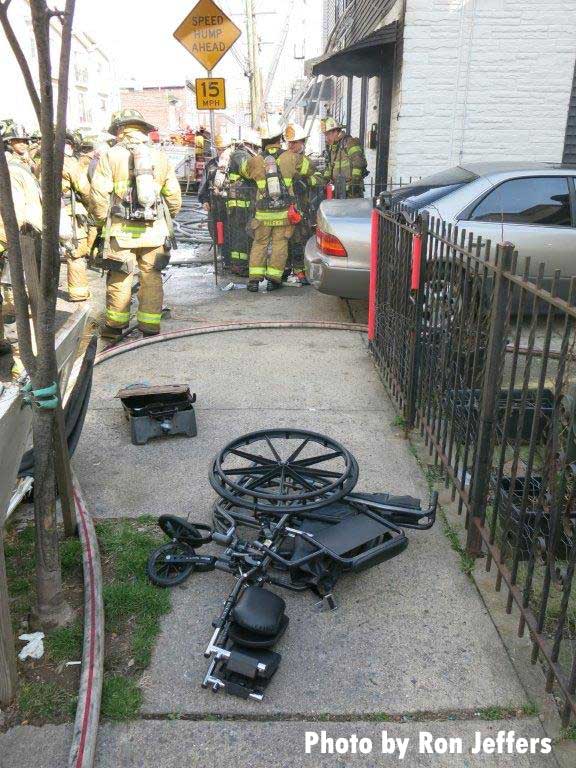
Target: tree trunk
<point>51,609</point>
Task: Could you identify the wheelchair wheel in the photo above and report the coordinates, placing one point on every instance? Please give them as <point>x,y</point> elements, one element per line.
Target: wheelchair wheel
<point>283,470</point>
<point>163,568</point>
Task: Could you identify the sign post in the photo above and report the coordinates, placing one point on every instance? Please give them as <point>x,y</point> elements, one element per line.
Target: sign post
<point>208,34</point>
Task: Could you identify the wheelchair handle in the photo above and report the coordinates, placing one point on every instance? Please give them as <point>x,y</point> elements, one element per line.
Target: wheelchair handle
<point>223,538</point>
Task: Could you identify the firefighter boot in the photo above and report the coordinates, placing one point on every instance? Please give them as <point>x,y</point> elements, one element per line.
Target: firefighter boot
<point>253,286</point>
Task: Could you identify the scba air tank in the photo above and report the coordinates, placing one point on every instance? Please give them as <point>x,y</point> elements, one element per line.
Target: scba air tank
<point>144,176</point>
<point>272,180</point>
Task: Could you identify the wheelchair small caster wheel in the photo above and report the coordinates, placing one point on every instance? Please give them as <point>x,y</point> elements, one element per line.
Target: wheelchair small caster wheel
<point>167,566</point>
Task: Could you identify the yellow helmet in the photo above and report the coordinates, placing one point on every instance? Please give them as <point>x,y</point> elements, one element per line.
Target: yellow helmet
<point>129,117</point>
<point>330,124</point>
<point>295,132</point>
<point>220,142</point>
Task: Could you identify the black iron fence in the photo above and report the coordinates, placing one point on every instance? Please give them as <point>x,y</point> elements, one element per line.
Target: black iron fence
<point>481,359</point>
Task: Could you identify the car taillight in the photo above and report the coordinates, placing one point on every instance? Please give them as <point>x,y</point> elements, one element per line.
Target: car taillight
<point>329,244</point>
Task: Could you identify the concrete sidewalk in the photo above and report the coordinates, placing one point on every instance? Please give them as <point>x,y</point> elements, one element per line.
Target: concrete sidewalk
<point>411,636</point>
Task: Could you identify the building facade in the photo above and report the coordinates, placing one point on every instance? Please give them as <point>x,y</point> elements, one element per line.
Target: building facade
<point>427,84</point>
<point>92,91</point>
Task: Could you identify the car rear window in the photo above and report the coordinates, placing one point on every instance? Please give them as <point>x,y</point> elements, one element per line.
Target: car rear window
<point>432,188</point>
<point>543,200</point>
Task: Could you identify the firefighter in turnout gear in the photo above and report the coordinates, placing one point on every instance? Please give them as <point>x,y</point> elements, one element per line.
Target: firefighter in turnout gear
<point>134,195</point>
<point>308,180</point>
<point>28,208</point>
<point>345,162</point>
<point>274,173</point>
<point>213,192</point>
<point>240,202</point>
<point>75,194</point>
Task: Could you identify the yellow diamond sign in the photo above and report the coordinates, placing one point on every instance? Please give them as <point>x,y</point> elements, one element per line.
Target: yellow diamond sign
<point>207,33</point>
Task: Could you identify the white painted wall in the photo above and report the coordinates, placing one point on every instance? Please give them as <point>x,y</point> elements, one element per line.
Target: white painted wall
<point>93,91</point>
<point>482,79</point>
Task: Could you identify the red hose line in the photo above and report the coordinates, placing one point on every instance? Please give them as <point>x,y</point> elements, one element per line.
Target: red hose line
<point>83,749</point>
<point>107,354</point>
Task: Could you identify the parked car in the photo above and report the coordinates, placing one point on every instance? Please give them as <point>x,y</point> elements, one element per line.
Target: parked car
<point>532,205</point>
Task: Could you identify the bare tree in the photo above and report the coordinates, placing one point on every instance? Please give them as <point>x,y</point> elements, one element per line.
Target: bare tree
<point>41,365</point>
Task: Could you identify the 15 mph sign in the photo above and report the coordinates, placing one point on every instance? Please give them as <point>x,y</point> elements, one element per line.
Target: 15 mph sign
<point>207,33</point>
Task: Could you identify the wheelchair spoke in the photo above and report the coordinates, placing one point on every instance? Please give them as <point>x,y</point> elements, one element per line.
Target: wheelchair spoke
<point>318,459</point>
<point>250,456</point>
<point>319,473</point>
<point>301,480</point>
<point>298,450</point>
<point>247,470</point>
<point>274,451</point>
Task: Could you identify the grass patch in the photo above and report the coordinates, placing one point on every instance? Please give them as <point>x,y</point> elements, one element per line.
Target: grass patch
<point>569,734</point>
<point>133,608</point>
<point>531,709</point>
<point>121,698</point>
<point>466,561</point>
<point>48,701</point>
<point>65,643</point>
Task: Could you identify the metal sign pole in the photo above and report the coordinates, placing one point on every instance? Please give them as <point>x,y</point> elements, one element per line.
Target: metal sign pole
<point>212,124</point>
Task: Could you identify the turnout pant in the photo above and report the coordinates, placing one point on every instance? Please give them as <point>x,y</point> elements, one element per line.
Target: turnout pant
<point>150,294</point>
<point>238,236</point>
<point>218,212</point>
<point>76,270</point>
<point>297,245</point>
<point>270,265</point>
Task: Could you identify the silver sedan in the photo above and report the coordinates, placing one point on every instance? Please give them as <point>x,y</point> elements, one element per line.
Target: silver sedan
<point>532,205</point>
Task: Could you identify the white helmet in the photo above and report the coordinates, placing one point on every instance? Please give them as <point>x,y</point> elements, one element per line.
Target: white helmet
<point>295,132</point>
<point>252,137</point>
<point>271,128</point>
<point>330,124</point>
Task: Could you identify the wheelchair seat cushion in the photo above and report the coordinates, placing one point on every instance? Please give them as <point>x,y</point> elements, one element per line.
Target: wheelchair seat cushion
<point>249,639</point>
<point>259,610</point>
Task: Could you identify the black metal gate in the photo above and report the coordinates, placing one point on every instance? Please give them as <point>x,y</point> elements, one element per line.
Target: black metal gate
<point>481,359</point>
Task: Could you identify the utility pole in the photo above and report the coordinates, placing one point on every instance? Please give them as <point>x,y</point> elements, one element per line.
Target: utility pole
<point>254,68</point>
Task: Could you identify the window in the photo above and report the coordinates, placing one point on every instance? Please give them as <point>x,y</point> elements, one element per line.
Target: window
<point>431,188</point>
<point>539,200</point>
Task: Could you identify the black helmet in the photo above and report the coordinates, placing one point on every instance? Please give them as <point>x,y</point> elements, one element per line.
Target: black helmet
<point>129,117</point>
<point>9,130</point>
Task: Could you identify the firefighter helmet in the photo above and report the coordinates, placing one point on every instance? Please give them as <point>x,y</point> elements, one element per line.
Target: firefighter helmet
<point>295,132</point>
<point>330,124</point>
<point>129,117</point>
<point>271,128</point>
<point>10,130</point>
<point>252,137</point>
<point>221,142</point>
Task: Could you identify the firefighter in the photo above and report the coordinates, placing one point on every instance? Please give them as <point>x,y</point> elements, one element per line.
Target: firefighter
<point>28,208</point>
<point>134,195</point>
<point>309,180</point>
<point>213,192</point>
<point>240,201</point>
<point>346,164</point>
<point>274,172</point>
<point>75,199</point>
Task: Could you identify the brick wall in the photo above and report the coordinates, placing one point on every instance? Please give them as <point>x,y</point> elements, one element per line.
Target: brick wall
<point>482,79</point>
<point>156,107</point>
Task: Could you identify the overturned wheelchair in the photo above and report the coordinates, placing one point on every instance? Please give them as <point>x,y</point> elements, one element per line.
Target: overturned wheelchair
<point>286,516</point>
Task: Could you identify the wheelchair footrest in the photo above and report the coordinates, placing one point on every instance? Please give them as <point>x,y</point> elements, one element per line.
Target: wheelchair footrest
<point>240,674</point>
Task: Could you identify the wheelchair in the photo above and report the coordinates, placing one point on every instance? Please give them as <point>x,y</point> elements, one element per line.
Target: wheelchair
<point>287,516</point>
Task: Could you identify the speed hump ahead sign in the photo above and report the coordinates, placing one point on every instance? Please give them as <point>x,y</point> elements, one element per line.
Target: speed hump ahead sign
<point>210,93</point>
<point>207,33</point>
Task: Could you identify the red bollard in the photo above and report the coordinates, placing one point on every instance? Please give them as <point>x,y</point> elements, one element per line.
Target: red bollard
<point>416,262</point>
<point>219,233</point>
<point>374,245</point>
<point>329,191</point>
